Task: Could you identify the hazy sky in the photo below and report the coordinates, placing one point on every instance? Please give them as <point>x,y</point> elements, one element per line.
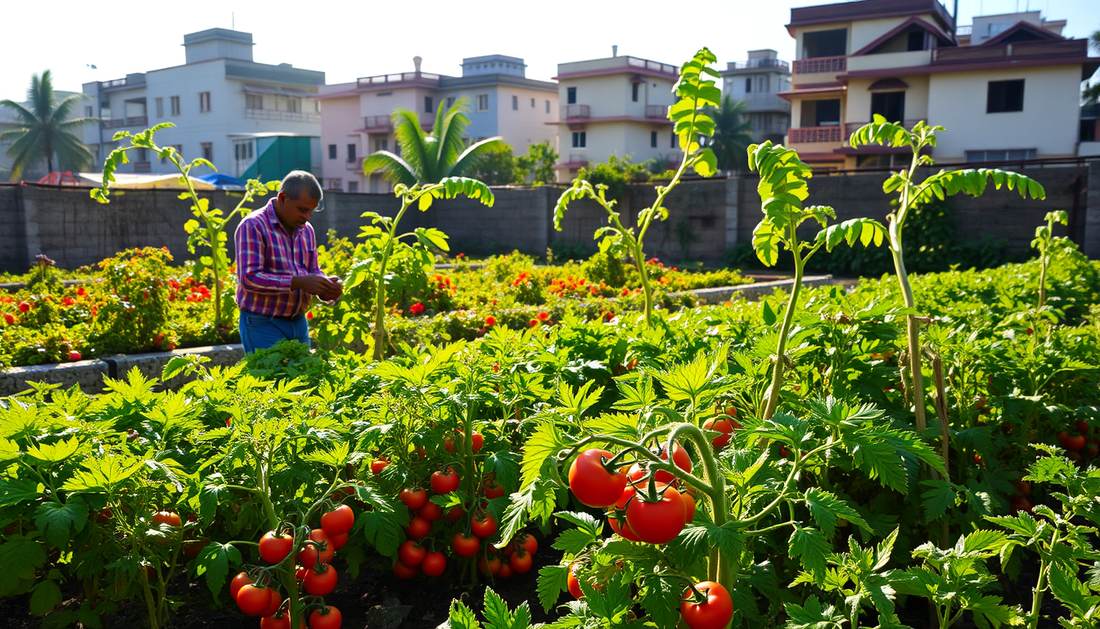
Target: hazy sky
<point>347,40</point>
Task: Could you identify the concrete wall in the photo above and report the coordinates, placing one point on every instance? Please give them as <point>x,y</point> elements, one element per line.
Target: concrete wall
<point>706,217</point>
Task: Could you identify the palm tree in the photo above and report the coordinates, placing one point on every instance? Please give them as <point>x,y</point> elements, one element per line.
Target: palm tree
<point>1091,93</point>
<point>430,158</point>
<point>44,129</point>
<point>732,134</point>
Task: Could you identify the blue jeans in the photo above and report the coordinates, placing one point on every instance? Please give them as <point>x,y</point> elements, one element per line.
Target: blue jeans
<point>262,331</point>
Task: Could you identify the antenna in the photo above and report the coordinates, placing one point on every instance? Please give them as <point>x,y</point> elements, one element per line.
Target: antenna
<point>233,20</point>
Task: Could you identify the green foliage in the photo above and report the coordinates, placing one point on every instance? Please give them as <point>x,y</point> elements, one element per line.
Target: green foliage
<point>732,134</point>
<point>45,130</point>
<point>615,175</point>
<point>537,166</point>
<point>497,167</point>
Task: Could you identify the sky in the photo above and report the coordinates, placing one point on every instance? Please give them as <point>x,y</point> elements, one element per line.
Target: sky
<point>347,40</point>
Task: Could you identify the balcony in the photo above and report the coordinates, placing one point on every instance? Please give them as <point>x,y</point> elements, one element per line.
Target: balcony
<point>142,167</point>
<point>378,124</point>
<point>132,80</point>
<point>851,127</point>
<point>355,164</point>
<point>657,111</point>
<point>1022,51</point>
<point>284,116</point>
<point>814,135</point>
<point>120,123</point>
<point>403,77</point>
<point>758,64</point>
<point>572,112</point>
<point>653,65</point>
<point>766,102</point>
<point>820,65</point>
<point>574,161</point>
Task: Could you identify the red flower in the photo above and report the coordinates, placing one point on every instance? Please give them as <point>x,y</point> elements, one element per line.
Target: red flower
<point>416,308</point>
<point>68,301</point>
<point>533,323</point>
<point>24,307</point>
<point>74,355</point>
<point>543,316</point>
<point>95,310</point>
<point>652,261</point>
<point>609,315</point>
<point>81,292</point>
<point>9,318</point>
<point>626,291</point>
<point>309,316</point>
<point>490,321</point>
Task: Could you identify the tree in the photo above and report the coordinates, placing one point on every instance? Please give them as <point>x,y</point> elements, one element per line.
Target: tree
<point>538,164</point>
<point>616,174</point>
<point>430,158</point>
<point>44,129</point>
<point>497,167</point>
<point>1091,93</point>
<point>732,134</point>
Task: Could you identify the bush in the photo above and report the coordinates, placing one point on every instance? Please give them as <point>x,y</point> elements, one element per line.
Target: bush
<point>615,174</point>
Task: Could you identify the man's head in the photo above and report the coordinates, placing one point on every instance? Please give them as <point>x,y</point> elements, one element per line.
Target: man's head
<point>299,196</point>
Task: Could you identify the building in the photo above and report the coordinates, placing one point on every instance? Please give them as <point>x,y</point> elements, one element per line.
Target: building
<point>251,120</point>
<point>758,81</point>
<point>356,118</point>
<point>1013,94</point>
<point>614,106</point>
<point>9,120</point>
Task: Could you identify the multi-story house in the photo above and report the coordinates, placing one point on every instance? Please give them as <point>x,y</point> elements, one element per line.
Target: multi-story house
<point>251,120</point>
<point>758,81</point>
<point>356,118</point>
<point>614,106</point>
<point>1014,95</point>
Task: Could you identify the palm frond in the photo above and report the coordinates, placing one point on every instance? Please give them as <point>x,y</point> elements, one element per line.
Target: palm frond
<point>469,158</point>
<point>21,111</point>
<point>41,95</point>
<point>24,150</point>
<point>71,152</point>
<point>396,169</point>
<point>412,140</point>
<point>65,107</point>
<point>451,131</point>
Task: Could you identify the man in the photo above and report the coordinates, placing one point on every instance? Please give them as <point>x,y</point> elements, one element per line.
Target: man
<point>277,268</point>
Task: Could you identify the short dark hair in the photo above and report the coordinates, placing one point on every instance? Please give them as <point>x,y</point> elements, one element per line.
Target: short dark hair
<point>297,181</point>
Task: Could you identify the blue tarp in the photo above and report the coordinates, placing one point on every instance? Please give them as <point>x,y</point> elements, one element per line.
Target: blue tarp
<point>222,181</point>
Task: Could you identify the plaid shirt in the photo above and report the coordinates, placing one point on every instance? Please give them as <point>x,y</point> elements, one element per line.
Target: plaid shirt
<point>267,258</point>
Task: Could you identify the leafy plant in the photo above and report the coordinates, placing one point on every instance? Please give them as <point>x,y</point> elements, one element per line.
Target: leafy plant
<point>538,164</point>
<point>695,93</point>
<point>1045,242</point>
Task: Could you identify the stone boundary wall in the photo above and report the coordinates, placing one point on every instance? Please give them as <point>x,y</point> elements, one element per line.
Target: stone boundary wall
<point>707,217</point>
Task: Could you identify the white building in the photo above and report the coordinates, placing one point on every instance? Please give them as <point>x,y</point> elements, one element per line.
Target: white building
<point>758,81</point>
<point>251,120</point>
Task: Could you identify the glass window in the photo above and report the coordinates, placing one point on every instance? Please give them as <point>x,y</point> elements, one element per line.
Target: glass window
<point>204,102</point>
<point>160,108</point>
<point>579,139</point>
<point>483,102</point>
<point>1005,96</point>
<point>571,96</point>
<point>889,105</point>
<point>175,102</point>
<point>351,153</point>
<point>208,151</point>
<point>515,103</point>
<point>428,108</point>
<point>653,139</point>
<point>332,151</point>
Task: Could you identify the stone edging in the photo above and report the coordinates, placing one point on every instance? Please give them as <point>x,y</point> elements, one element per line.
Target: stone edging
<point>89,374</point>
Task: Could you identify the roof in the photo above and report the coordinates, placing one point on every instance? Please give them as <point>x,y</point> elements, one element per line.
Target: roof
<point>1023,27</point>
<point>869,10</point>
<point>211,34</point>
<point>943,37</point>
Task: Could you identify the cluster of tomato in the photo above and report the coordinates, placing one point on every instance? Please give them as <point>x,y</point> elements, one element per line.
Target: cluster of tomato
<point>1077,443</point>
<point>314,573</point>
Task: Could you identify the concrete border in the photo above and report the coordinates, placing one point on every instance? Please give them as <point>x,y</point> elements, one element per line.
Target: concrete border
<point>89,374</point>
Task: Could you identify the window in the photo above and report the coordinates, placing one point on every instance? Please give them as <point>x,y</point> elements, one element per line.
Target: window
<point>532,103</point>
<point>515,103</point>
<point>351,153</point>
<point>332,151</point>
<point>1005,96</point>
<point>916,40</point>
<point>242,151</point>
<point>1000,155</point>
<point>821,113</point>
<point>571,96</point>
<point>88,111</point>
<point>833,43</point>
<point>160,107</point>
<point>634,92</point>
<point>294,104</point>
<point>579,139</point>
<point>450,101</point>
<point>748,85</point>
<point>208,151</point>
<point>427,109</point>
<point>175,104</point>
<point>204,102</point>
<point>333,183</point>
<point>889,105</point>
<point>253,101</point>
<point>381,144</point>
<point>653,139</point>
<point>142,155</point>
<point>353,186</point>
<point>672,144</point>
<point>547,106</point>
<point>483,102</point>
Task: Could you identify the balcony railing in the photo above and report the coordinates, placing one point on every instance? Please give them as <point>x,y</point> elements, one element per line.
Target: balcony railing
<point>133,121</point>
<point>819,65</point>
<point>810,135</point>
<point>652,65</point>
<point>758,63</point>
<point>397,78</point>
<point>656,111</point>
<point>850,127</point>
<point>964,30</point>
<point>142,167</point>
<point>375,124</point>
<point>765,102</point>
<point>576,160</point>
<point>1010,52</point>
<point>355,164</point>
<point>286,116</point>
<point>574,111</point>
<point>135,80</point>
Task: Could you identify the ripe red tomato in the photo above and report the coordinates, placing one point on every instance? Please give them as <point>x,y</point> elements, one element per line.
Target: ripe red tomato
<point>591,483</point>
<point>465,546</point>
<point>1092,450</point>
<point>171,518</point>
<point>411,554</point>
<point>505,570</point>
<point>574,582</point>
<point>274,548</point>
<point>476,440</point>
<point>237,583</point>
<point>1022,486</point>
<point>1020,503</point>
<point>253,600</point>
<point>520,561</point>
<point>1062,437</point>
<point>657,522</point>
<point>1073,456</point>
<point>275,622</point>
<point>483,526</point>
<point>445,482</point>
<point>689,507</point>
<point>719,425</point>
<point>434,564</point>
<point>328,618</point>
<point>619,525</point>
<point>413,498</point>
<point>430,511</point>
<point>275,604</point>
<point>455,513</point>
<point>1075,442</point>
<point>311,554</point>
<point>714,613</point>
<point>338,521</point>
<point>377,465</point>
<point>679,457</point>
<point>1082,426</point>
<point>493,489</point>
<point>403,572</point>
<point>321,581</point>
<point>449,445</point>
<point>339,541</point>
<point>529,542</point>
<point>488,566</point>
<point>418,528</point>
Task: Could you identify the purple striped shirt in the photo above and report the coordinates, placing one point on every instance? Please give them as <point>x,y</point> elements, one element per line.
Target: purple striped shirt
<point>267,258</point>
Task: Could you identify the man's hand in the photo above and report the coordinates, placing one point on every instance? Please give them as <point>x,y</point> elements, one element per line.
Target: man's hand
<point>333,296</point>
<point>318,285</point>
